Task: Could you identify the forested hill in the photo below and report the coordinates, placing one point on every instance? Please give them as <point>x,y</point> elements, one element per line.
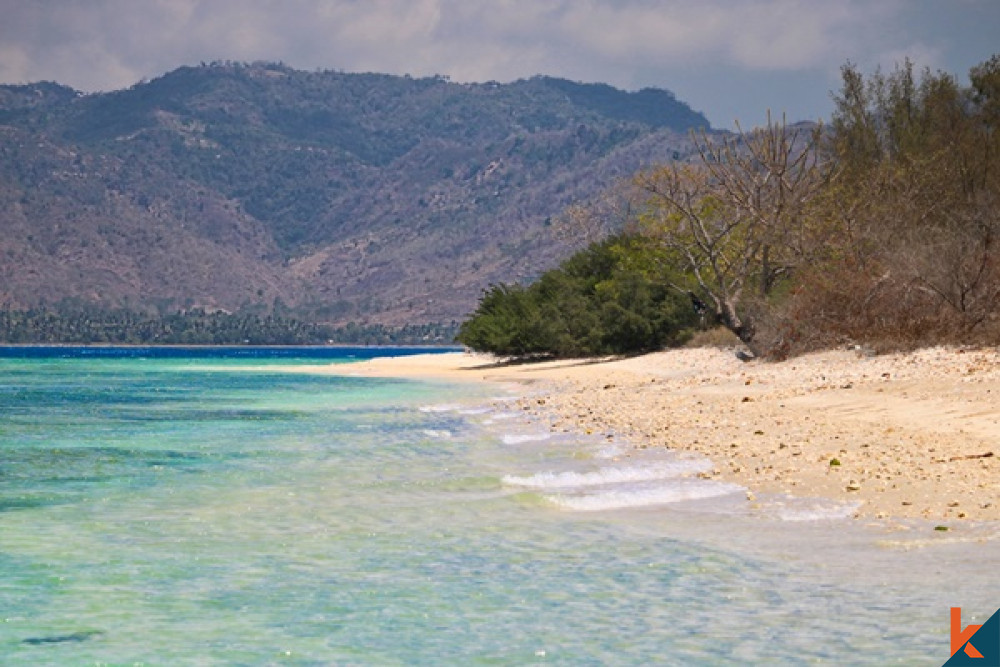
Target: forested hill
<point>341,197</point>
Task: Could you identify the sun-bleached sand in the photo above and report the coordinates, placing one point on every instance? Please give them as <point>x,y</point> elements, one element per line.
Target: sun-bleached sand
<point>906,435</point>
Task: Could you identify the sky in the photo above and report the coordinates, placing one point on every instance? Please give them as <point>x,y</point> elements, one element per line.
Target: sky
<point>733,60</point>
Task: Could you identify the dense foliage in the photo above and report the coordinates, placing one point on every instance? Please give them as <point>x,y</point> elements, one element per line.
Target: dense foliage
<point>86,325</point>
<point>915,210</point>
<point>611,298</point>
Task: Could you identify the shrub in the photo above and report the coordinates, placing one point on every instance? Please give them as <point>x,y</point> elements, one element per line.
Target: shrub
<point>608,299</point>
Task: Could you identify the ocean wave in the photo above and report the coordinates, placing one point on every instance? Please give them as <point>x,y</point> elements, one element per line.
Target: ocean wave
<point>610,475</point>
<point>443,407</point>
<point>609,452</point>
<point>436,434</point>
<point>633,496</point>
<point>647,495</point>
<point>816,511</point>
<point>500,416</point>
<point>512,439</point>
<point>474,411</point>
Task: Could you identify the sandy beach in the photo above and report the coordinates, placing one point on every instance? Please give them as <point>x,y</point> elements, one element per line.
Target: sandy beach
<point>912,435</point>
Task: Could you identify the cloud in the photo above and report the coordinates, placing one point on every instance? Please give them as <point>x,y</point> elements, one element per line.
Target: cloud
<point>760,44</point>
<point>110,43</point>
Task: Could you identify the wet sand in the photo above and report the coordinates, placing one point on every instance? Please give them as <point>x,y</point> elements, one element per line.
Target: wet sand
<point>907,435</point>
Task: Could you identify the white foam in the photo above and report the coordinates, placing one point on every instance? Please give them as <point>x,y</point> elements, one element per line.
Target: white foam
<point>437,434</point>
<point>473,411</point>
<point>609,452</point>
<point>632,496</point>
<point>510,439</point>
<point>444,407</point>
<point>500,416</point>
<point>610,475</point>
<point>816,511</point>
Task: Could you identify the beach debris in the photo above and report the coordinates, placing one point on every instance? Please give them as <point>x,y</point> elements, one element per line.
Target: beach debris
<point>834,462</point>
<point>941,528</point>
<point>853,486</point>
<point>970,456</point>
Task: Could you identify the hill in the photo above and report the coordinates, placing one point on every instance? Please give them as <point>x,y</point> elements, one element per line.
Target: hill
<point>336,196</point>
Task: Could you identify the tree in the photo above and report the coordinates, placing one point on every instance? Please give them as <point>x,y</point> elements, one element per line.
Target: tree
<point>915,258</point>
<point>738,220</point>
<point>934,208</point>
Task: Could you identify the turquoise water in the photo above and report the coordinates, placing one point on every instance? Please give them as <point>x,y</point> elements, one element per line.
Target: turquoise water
<point>198,511</point>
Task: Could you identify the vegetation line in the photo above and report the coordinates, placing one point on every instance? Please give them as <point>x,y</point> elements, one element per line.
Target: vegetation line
<point>79,325</point>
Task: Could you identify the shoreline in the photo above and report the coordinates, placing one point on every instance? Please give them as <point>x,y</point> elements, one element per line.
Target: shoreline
<point>909,436</point>
<point>442,349</point>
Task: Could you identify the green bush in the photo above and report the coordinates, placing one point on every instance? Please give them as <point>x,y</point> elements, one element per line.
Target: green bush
<point>611,298</point>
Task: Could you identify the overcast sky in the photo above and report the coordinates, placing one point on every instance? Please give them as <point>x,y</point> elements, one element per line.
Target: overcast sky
<point>730,59</point>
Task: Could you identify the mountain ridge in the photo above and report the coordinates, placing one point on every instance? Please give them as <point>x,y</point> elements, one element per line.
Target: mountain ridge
<point>366,197</point>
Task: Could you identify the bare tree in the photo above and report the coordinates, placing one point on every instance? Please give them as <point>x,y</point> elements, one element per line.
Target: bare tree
<point>611,212</point>
<point>738,221</point>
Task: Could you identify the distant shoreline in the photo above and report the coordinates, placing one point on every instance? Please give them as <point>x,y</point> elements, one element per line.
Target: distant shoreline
<point>317,353</point>
<point>449,347</point>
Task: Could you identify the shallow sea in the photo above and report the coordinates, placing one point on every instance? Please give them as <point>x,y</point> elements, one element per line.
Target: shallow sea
<point>204,508</point>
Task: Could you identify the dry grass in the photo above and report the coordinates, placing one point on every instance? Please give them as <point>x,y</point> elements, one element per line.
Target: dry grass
<point>719,337</point>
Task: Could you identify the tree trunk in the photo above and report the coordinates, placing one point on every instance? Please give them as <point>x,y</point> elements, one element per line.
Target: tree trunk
<point>742,327</point>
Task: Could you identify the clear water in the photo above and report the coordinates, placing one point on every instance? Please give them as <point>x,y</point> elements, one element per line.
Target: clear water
<point>190,510</point>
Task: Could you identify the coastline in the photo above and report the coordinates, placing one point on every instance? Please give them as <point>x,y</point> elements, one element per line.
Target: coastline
<point>916,435</point>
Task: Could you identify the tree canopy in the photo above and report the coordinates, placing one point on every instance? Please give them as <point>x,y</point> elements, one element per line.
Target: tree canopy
<point>880,228</point>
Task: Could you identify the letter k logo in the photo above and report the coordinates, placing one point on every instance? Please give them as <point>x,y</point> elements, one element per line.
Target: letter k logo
<point>960,636</point>
<point>986,652</point>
